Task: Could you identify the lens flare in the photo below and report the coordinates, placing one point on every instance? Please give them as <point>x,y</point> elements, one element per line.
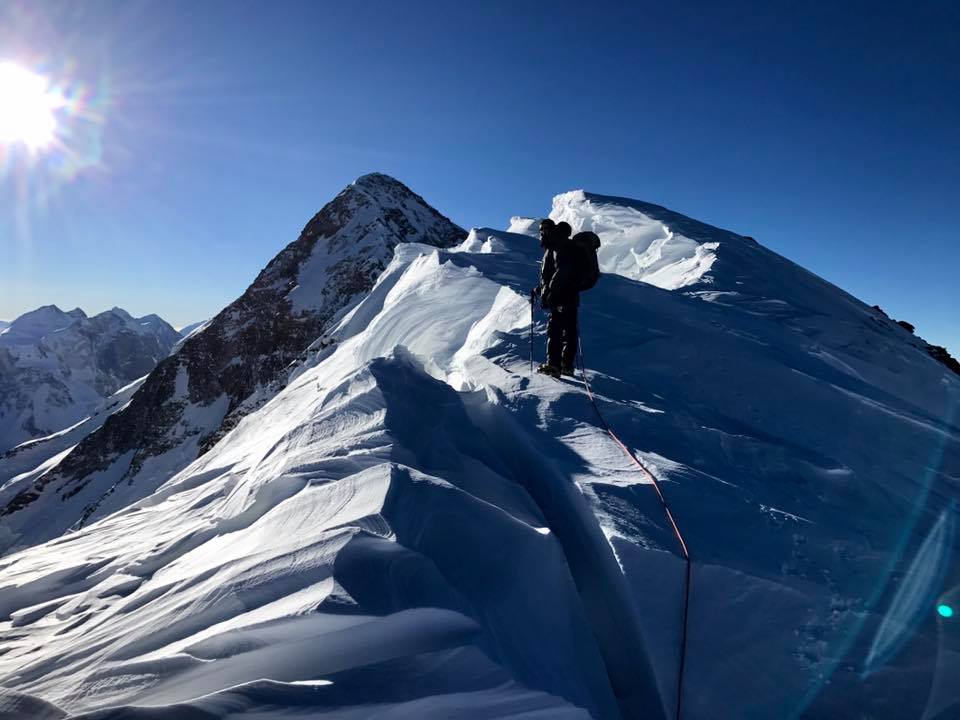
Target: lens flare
<point>28,108</point>
<point>945,611</point>
<point>916,592</point>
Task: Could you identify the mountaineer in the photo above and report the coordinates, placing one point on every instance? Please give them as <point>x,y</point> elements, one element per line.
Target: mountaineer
<point>569,267</point>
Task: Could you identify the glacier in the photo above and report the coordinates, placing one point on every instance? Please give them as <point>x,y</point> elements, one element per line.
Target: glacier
<point>412,525</point>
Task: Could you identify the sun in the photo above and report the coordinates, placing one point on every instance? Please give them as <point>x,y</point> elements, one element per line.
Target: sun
<point>28,108</point>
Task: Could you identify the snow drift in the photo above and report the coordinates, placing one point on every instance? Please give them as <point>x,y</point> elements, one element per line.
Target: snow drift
<point>636,244</point>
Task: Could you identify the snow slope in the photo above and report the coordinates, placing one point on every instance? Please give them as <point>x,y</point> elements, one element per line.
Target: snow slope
<point>28,460</point>
<point>56,367</point>
<point>414,526</point>
<point>187,330</point>
<point>228,367</point>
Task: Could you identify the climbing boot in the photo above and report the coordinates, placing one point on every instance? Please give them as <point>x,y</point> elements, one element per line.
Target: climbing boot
<point>548,369</point>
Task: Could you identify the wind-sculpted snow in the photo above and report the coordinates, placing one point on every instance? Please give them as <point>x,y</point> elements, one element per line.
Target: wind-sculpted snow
<point>416,527</point>
<point>635,244</point>
<point>227,368</point>
<point>315,540</point>
<point>520,225</point>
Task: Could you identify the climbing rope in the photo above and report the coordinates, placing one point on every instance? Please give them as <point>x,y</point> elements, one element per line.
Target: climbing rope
<point>669,514</point>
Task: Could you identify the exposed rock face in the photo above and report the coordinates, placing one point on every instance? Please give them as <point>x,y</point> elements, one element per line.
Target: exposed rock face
<point>56,367</point>
<point>937,352</point>
<point>239,360</point>
<point>942,355</point>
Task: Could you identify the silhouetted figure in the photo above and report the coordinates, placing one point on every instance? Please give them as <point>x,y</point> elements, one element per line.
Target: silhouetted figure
<point>568,266</point>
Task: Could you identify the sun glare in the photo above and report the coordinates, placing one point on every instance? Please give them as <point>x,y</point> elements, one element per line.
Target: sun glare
<point>28,108</point>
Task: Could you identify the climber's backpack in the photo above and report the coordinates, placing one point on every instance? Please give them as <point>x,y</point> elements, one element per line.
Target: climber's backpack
<point>588,243</point>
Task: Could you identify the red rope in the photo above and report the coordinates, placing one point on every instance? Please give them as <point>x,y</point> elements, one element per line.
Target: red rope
<point>673,524</point>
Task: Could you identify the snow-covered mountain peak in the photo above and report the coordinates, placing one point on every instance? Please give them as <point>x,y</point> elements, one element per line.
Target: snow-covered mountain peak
<point>56,366</point>
<point>386,192</point>
<point>151,319</point>
<point>377,181</point>
<point>32,326</point>
<point>48,320</point>
<point>363,224</point>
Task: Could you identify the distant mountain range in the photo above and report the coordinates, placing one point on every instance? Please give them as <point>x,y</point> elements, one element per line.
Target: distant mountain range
<point>56,367</point>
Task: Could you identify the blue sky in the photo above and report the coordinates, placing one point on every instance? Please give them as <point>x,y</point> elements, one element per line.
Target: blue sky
<point>828,131</point>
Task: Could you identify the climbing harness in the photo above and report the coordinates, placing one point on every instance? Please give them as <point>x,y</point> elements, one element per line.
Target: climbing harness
<point>669,514</point>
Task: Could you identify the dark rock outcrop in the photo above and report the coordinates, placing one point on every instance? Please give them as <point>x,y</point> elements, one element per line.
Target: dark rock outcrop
<point>941,355</point>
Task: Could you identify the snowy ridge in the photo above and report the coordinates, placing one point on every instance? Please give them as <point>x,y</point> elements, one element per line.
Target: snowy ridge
<point>413,526</point>
<point>230,366</point>
<point>317,488</point>
<point>188,331</point>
